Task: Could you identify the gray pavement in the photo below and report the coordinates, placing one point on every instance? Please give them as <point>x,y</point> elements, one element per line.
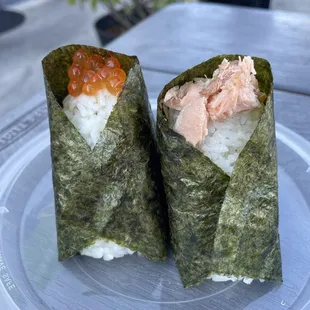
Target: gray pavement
<point>302,6</point>
<point>50,24</point>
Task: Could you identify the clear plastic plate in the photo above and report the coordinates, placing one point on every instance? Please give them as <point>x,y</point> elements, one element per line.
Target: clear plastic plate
<point>32,278</point>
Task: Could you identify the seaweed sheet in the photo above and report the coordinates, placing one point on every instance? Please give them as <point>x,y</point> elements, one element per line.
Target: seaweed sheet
<point>221,224</point>
<point>108,192</point>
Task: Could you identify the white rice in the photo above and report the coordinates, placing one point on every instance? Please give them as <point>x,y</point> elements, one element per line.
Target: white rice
<point>226,139</point>
<point>106,249</point>
<point>89,114</point>
<point>224,278</point>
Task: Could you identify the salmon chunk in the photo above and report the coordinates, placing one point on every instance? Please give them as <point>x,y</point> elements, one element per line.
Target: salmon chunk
<point>238,91</point>
<point>176,98</point>
<point>223,104</point>
<point>192,122</point>
<point>232,89</point>
<point>220,77</point>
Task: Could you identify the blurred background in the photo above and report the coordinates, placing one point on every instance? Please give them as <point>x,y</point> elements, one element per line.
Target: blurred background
<point>29,29</point>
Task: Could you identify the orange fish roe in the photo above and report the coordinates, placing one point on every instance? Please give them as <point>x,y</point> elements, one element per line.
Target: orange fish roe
<point>75,72</point>
<point>118,73</point>
<point>89,74</point>
<point>80,57</point>
<point>112,62</point>
<point>114,85</point>
<point>94,62</point>
<point>74,88</point>
<point>104,72</point>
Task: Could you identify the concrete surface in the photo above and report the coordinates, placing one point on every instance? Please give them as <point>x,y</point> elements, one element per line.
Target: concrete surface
<point>50,24</point>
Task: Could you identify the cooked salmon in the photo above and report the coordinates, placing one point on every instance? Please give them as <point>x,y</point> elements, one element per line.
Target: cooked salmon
<point>192,122</point>
<point>232,89</point>
<point>220,77</point>
<point>176,98</point>
<point>236,89</point>
<point>223,104</point>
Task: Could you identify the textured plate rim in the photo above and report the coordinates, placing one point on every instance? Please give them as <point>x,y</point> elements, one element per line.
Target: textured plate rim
<point>15,164</point>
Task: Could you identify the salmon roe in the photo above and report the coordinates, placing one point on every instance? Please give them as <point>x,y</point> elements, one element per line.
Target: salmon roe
<point>89,74</point>
<point>74,88</point>
<point>112,62</point>
<point>114,85</point>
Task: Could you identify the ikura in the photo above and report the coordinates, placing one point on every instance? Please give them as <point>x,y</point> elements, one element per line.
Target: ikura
<point>97,82</point>
<point>90,74</point>
<point>87,75</point>
<point>89,89</point>
<point>112,62</point>
<point>114,85</point>
<point>118,73</point>
<point>80,57</point>
<point>75,72</point>
<point>75,88</point>
<point>94,62</point>
<point>105,72</point>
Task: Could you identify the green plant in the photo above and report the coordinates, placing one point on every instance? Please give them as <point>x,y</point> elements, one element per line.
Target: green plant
<point>127,12</point>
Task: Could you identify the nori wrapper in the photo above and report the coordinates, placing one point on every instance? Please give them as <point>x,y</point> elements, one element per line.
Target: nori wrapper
<point>221,224</point>
<point>108,192</point>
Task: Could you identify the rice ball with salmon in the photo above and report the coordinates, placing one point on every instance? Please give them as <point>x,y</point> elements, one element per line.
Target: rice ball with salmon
<point>216,137</point>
